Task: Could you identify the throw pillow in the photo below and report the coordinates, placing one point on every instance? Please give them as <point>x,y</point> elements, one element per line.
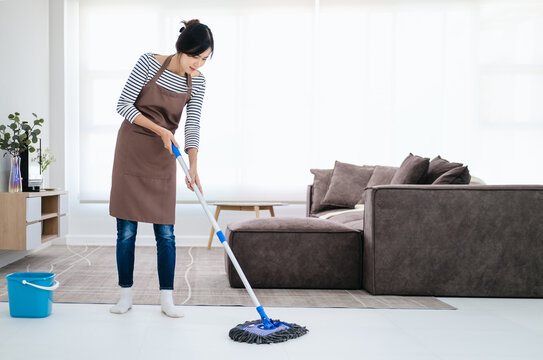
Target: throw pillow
<point>438,167</point>
<point>321,181</point>
<point>382,175</point>
<point>347,184</point>
<point>458,175</point>
<point>412,170</point>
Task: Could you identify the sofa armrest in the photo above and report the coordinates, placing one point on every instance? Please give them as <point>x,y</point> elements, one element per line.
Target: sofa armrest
<point>454,240</point>
<point>309,200</point>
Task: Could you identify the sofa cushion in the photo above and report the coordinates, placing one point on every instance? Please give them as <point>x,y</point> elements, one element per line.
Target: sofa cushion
<point>330,213</point>
<point>458,175</point>
<point>347,184</point>
<point>287,224</point>
<point>321,182</point>
<point>412,170</point>
<point>353,220</point>
<point>438,167</point>
<point>381,176</point>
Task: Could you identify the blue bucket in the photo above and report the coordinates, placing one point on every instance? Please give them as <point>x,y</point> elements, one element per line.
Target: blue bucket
<point>31,294</point>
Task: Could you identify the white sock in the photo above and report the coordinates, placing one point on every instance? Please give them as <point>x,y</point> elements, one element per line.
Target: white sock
<point>166,303</point>
<point>125,303</point>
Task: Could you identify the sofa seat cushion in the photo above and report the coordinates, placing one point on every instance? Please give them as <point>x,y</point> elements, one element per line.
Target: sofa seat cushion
<point>288,224</point>
<point>305,253</point>
<point>353,220</point>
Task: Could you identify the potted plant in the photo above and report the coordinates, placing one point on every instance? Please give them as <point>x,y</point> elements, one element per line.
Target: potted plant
<point>16,137</point>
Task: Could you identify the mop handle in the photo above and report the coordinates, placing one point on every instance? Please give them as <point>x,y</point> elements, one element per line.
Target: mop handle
<point>217,230</point>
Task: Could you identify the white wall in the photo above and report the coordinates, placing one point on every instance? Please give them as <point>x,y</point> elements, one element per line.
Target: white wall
<point>57,94</point>
<point>24,65</point>
<point>24,69</point>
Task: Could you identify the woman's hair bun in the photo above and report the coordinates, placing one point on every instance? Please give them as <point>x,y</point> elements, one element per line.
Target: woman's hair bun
<point>189,23</point>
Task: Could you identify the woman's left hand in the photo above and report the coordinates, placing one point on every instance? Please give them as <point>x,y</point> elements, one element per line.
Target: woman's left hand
<point>195,179</point>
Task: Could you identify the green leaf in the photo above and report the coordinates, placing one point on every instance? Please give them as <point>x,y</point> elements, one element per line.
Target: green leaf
<point>7,136</point>
<point>34,139</point>
<point>26,127</point>
<point>31,149</point>
<point>11,116</point>
<point>36,132</point>
<point>35,115</point>
<point>2,127</point>
<point>17,114</point>
<point>13,126</point>
<point>36,122</point>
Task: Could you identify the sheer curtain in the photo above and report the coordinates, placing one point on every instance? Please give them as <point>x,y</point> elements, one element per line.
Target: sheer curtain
<point>297,84</point>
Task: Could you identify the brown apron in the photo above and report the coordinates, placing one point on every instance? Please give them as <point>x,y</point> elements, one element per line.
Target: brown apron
<point>144,172</point>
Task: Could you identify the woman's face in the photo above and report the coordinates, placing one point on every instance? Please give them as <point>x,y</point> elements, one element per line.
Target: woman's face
<point>190,64</point>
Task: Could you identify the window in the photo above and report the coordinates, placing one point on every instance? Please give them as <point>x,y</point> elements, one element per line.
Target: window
<point>295,85</point>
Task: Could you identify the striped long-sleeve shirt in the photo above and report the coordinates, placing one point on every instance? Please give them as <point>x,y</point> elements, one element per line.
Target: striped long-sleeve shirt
<point>146,67</point>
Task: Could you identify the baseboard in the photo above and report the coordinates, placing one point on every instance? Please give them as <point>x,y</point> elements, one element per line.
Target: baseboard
<point>142,240</point>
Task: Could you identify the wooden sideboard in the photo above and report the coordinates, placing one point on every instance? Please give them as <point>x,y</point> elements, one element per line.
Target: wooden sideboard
<point>29,219</point>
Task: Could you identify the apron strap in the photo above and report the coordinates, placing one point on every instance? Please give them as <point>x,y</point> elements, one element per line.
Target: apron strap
<point>162,68</point>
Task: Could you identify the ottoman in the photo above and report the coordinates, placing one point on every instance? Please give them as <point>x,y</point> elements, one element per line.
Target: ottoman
<point>301,253</point>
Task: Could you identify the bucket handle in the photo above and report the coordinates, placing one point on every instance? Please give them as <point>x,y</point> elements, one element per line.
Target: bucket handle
<point>54,287</point>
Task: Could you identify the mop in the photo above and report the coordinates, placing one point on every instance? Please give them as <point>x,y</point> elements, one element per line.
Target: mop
<point>265,330</point>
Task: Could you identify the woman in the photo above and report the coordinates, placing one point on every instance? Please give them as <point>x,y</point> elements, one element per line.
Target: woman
<point>144,168</point>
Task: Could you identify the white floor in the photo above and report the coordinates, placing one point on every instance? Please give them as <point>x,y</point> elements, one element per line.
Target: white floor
<point>480,329</point>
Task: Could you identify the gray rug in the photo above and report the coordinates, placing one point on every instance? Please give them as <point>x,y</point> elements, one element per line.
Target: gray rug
<point>89,275</point>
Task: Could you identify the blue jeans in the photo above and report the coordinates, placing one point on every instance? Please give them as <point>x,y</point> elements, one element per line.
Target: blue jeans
<point>126,243</point>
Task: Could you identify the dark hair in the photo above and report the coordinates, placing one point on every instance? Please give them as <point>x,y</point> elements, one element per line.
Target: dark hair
<point>195,38</point>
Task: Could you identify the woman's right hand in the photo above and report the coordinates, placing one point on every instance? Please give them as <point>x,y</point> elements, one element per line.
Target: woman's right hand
<point>165,134</point>
<point>168,138</point>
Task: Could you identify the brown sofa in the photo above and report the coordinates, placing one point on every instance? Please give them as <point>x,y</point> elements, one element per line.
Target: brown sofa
<point>412,239</point>
<point>441,240</point>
